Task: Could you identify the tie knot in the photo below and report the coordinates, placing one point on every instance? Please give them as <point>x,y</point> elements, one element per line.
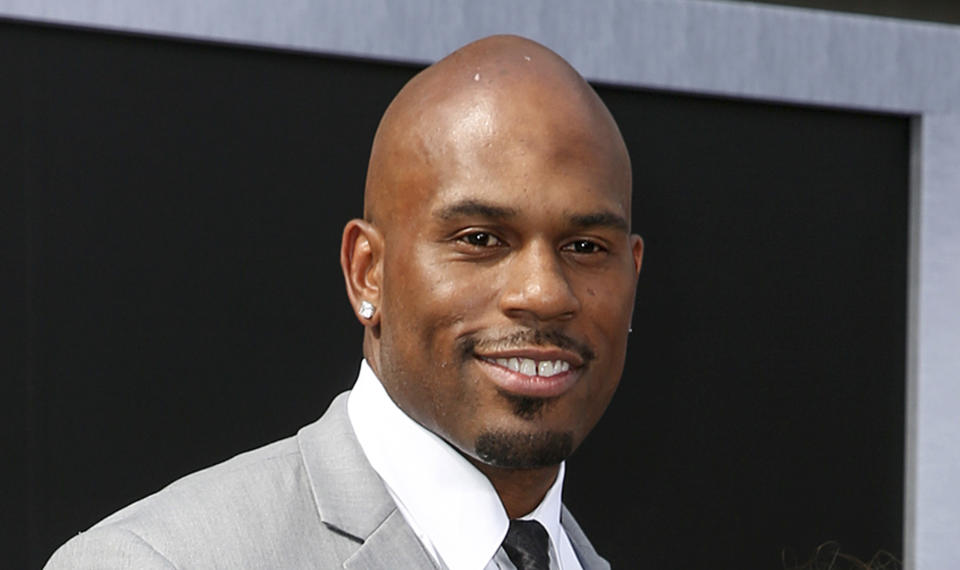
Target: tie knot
<point>526,545</point>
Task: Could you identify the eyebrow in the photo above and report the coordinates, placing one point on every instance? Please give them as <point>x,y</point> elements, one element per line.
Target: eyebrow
<point>601,219</point>
<point>479,208</point>
<point>476,208</point>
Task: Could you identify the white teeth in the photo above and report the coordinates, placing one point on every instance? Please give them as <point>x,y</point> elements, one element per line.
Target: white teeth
<point>545,368</point>
<point>530,367</point>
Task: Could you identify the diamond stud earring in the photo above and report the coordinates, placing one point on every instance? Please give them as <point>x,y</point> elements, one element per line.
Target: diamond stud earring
<point>366,309</point>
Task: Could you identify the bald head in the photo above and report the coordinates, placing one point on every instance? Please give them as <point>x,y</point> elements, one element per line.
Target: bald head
<point>497,258</point>
<point>501,98</point>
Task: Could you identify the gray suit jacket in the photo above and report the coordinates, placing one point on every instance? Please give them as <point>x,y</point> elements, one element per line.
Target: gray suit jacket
<point>308,501</point>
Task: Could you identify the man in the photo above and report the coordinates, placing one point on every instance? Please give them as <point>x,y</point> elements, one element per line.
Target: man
<point>494,273</point>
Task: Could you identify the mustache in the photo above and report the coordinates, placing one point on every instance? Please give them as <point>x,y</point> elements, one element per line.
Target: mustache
<point>529,337</point>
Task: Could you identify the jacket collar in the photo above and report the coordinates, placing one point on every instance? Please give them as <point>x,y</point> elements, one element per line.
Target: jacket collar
<point>352,499</point>
<point>588,557</point>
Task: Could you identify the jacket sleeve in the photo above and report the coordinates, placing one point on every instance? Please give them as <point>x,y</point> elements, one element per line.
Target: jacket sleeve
<point>108,549</point>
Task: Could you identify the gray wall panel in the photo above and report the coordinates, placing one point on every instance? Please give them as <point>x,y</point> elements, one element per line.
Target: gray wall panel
<point>740,49</point>
<point>937,456</point>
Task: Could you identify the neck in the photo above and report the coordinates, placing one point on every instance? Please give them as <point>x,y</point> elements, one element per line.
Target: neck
<point>520,490</point>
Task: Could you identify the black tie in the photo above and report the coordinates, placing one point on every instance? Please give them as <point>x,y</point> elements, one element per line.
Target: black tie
<point>526,545</point>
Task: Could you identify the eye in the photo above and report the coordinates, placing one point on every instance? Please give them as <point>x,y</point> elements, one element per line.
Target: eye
<point>481,239</point>
<point>583,246</point>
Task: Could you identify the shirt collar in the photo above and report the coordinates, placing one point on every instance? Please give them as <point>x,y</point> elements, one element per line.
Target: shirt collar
<point>450,501</point>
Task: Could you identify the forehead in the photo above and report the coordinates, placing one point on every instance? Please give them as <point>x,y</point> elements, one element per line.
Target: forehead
<point>531,141</point>
<point>523,156</point>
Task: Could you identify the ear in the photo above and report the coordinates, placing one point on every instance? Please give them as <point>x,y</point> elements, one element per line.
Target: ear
<point>361,258</point>
<point>637,254</point>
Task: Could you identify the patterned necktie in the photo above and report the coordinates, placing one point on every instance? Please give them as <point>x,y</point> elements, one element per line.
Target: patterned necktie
<point>526,545</point>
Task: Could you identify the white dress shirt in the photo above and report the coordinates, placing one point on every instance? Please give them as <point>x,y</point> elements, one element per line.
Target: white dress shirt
<point>449,504</point>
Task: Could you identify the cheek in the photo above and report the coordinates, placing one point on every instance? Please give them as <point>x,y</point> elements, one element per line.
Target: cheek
<point>459,287</point>
<point>608,307</point>
<point>434,301</point>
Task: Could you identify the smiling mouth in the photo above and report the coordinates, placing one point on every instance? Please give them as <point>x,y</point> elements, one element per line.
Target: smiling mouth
<point>531,367</point>
<point>531,377</point>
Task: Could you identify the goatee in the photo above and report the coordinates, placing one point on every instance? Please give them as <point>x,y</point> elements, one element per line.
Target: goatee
<point>518,450</point>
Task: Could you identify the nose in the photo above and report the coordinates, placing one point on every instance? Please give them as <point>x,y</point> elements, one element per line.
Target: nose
<point>537,287</point>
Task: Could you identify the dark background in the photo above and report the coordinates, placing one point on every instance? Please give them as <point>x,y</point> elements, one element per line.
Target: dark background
<point>170,215</point>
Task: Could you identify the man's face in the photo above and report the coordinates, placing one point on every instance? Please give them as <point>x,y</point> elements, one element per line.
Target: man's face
<point>508,287</point>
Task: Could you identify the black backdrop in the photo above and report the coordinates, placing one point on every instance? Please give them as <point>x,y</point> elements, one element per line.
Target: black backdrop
<point>170,217</point>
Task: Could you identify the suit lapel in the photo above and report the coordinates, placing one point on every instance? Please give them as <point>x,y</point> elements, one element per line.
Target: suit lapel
<point>351,497</point>
<point>348,493</point>
<point>393,545</point>
<point>588,557</point>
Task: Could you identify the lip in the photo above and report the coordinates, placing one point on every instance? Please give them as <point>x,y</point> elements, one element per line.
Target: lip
<point>535,353</point>
<point>519,384</point>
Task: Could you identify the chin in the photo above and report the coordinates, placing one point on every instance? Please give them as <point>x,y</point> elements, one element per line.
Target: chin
<point>523,450</point>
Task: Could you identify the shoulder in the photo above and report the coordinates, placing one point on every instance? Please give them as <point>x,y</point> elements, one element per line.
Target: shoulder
<point>254,510</point>
<point>108,548</point>
<point>254,483</point>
